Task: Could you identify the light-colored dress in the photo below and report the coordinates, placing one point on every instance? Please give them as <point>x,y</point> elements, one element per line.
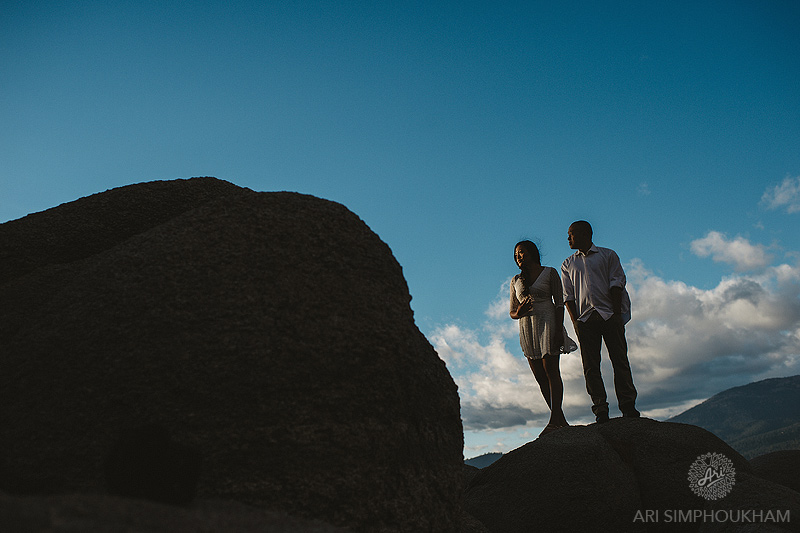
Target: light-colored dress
<point>537,327</point>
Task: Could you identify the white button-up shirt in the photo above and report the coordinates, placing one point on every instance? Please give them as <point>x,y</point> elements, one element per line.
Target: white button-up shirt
<point>587,280</point>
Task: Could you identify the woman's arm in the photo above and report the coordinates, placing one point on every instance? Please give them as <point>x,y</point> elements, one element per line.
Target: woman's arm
<point>518,309</point>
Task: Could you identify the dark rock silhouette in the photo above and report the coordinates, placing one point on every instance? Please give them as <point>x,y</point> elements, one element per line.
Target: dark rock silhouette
<point>94,513</point>
<point>81,229</point>
<point>145,463</point>
<point>656,453</point>
<point>597,477</point>
<point>271,332</point>
<point>750,494</point>
<point>782,467</point>
<point>558,483</point>
<point>470,524</point>
<point>469,473</point>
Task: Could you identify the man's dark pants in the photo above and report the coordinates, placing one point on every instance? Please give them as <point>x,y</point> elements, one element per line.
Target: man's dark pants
<point>590,335</point>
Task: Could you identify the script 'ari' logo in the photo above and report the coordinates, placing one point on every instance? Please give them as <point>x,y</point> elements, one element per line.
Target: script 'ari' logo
<point>712,476</point>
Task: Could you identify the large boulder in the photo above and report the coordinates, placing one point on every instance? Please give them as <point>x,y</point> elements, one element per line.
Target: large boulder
<point>625,475</point>
<point>270,333</point>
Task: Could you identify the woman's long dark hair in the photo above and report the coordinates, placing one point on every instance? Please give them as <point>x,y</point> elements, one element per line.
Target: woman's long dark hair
<point>532,250</point>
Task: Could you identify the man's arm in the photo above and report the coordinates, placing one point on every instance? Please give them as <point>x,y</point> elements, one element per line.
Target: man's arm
<point>573,311</point>
<point>616,281</point>
<point>569,292</point>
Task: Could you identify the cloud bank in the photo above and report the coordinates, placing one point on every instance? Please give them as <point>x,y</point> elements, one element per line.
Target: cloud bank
<point>685,343</point>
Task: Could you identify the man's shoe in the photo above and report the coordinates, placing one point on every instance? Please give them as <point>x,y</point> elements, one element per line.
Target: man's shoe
<point>631,413</point>
<point>601,418</point>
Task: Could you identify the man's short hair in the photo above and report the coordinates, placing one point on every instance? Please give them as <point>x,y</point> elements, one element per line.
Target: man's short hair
<point>582,227</point>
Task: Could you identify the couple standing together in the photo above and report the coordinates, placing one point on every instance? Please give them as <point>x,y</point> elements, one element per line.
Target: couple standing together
<point>592,287</point>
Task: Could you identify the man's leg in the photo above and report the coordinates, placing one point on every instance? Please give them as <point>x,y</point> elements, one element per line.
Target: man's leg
<point>614,336</point>
<point>590,338</point>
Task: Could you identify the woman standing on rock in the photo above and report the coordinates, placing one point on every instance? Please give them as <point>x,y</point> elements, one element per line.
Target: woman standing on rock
<point>537,301</point>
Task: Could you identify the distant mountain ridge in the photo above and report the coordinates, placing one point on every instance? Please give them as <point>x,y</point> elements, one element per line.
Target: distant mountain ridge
<point>754,419</point>
<point>482,461</point>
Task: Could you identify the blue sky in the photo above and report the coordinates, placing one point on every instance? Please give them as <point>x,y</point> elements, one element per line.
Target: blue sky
<point>454,129</point>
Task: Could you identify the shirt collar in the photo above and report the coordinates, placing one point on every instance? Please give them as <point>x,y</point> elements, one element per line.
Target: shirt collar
<point>592,250</point>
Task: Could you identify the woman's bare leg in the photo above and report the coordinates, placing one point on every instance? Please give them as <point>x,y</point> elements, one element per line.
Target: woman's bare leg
<point>556,387</point>
<point>540,374</point>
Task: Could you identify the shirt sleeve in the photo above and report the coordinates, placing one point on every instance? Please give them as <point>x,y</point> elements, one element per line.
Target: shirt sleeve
<point>616,275</point>
<point>566,281</point>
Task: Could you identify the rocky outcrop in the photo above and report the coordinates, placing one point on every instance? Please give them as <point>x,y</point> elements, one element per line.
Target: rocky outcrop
<point>607,477</point>
<point>269,332</point>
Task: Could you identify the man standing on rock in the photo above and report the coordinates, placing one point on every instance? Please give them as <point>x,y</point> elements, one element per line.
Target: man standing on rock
<point>599,305</point>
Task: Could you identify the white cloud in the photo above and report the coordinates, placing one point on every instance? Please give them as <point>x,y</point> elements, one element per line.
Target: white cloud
<point>738,252</point>
<point>685,344</point>
<point>784,195</point>
<point>673,410</point>
<point>688,343</point>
